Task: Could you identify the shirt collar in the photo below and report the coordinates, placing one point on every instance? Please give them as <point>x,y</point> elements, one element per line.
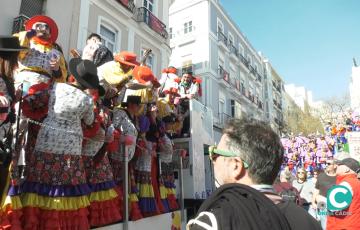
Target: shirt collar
<point>263,188</point>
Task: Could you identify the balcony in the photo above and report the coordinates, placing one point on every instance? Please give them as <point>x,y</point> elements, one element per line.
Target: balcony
<point>244,61</point>
<point>279,122</point>
<point>252,70</point>
<point>276,121</point>
<point>144,15</point>
<point>251,97</point>
<point>237,86</point>
<point>277,86</point>
<point>234,52</point>
<point>258,77</point>
<point>256,100</point>
<point>19,23</point>
<point>260,105</point>
<point>223,41</point>
<point>128,4</point>
<point>243,90</point>
<point>225,76</point>
<point>277,104</point>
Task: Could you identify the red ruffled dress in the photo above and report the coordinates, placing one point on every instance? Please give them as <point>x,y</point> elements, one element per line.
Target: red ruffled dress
<point>105,203</point>
<point>147,202</point>
<point>55,194</point>
<point>122,121</point>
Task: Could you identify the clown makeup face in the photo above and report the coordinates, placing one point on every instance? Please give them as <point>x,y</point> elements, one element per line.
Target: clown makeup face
<point>42,30</point>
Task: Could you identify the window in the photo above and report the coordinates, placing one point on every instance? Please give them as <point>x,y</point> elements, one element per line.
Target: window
<point>241,49</point>
<point>188,28</point>
<point>30,8</point>
<point>220,27</point>
<point>187,69</point>
<point>221,110</point>
<point>249,59</point>
<point>171,35</point>
<point>109,37</point>
<point>150,60</point>
<point>149,4</point>
<point>231,40</point>
<point>232,105</point>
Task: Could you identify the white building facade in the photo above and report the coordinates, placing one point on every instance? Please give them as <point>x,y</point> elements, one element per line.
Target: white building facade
<point>300,95</point>
<point>274,97</point>
<point>133,25</point>
<point>204,38</point>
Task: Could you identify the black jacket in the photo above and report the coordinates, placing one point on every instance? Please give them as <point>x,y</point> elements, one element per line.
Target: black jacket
<point>295,216</point>
<point>236,206</point>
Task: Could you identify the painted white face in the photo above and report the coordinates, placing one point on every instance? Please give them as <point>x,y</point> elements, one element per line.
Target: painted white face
<point>42,29</point>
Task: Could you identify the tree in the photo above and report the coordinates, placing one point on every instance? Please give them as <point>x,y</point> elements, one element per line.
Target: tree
<point>297,121</point>
<point>333,109</point>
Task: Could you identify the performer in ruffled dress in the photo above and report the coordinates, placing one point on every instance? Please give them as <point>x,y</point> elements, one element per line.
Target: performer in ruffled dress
<point>55,192</point>
<point>105,203</point>
<point>10,204</point>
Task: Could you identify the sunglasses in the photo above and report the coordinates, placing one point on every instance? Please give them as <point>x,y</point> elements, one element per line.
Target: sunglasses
<point>41,26</point>
<point>214,152</point>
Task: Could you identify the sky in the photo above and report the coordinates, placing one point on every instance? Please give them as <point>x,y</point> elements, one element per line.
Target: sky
<point>310,43</point>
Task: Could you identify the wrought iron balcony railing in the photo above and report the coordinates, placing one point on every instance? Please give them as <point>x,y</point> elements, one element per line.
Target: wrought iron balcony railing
<point>128,4</point>
<point>19,23</point>
<point>222,38</point>
<point>142,14</point>
<point>243,90</point>
<point>234,50</point>
<point>259,78</point>
<point>244,61</point>
<point>223,74</point>
<point>252,70</point>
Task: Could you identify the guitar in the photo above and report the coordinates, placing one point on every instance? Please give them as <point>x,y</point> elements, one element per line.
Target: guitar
<point>74,53</point>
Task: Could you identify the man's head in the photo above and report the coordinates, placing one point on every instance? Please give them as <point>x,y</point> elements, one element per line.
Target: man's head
<point>187,77</point>
<point>132,103</point>
<point>45,27</point>
<point>42,30</point>
<point>301,174</point>
<point>253,153</point>
<point>347,166</point>
<point>317,171</point>
<point>285,176</point>
<point>330,167</point>
<point>93,38</point>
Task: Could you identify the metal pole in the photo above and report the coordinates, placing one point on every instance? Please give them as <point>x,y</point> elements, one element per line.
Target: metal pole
<point>18,118</point>
<point>126,188</point>
<point>182,208</point>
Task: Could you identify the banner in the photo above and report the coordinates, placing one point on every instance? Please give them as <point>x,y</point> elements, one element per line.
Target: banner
<point>354,145</point>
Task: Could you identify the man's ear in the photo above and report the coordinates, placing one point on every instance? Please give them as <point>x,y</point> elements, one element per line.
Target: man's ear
<point>238,168</point>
